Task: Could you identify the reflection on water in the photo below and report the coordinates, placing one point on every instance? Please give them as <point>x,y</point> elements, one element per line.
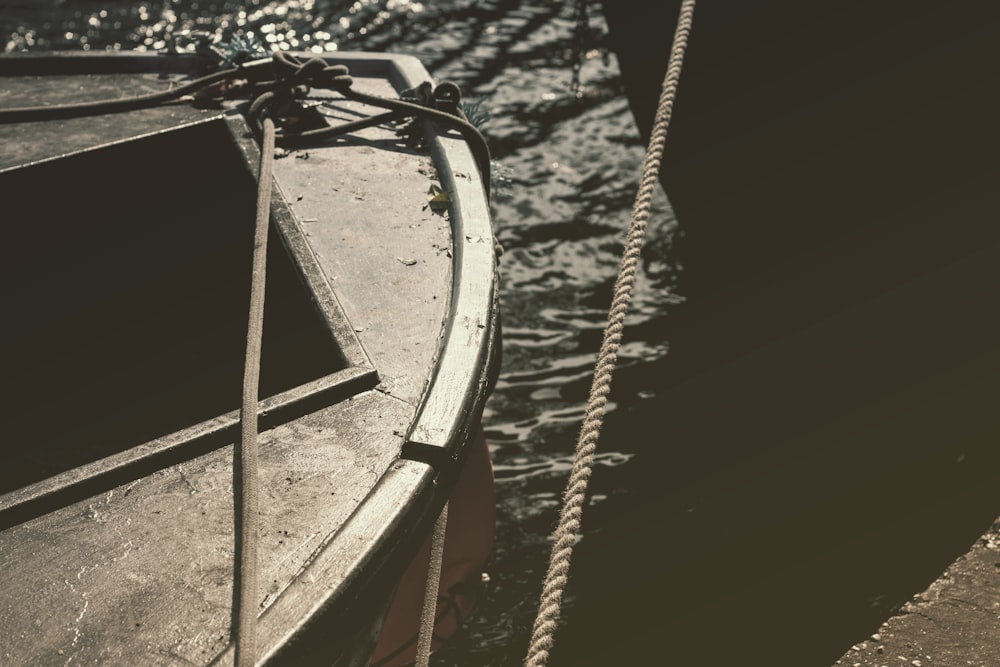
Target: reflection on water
<point>573,164</point>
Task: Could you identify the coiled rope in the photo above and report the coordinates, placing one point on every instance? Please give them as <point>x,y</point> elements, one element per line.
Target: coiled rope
<point>568,527</point>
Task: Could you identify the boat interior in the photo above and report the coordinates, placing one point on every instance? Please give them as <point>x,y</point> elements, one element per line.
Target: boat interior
<point>130,324</point>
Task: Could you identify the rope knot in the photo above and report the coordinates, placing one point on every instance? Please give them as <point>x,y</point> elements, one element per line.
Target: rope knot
<point>297,75</point>
<point>446,96</point>
<point>292,80</point>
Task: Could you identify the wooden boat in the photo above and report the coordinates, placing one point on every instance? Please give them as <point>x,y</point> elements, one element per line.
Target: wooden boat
<point>126,283</point>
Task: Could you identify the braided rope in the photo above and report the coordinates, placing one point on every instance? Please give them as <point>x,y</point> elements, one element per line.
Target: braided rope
<point>567,529</point>
<point>249,505</point>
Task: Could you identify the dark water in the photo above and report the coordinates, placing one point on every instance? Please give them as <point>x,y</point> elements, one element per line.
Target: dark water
<point>701,554</point>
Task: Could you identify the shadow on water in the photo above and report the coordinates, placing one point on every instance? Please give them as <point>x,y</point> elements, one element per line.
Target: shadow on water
<point>822,440</point>
<point>819,443</point>
<point>737,542</point>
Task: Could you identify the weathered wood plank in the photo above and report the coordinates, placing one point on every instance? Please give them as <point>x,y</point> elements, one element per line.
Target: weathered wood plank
<point>143,573</point>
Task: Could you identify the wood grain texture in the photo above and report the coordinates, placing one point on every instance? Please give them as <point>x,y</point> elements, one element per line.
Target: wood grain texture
<point>144,572</point>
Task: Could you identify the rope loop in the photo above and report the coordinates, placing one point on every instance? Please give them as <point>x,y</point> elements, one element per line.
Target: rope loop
<point>448,98</point>
<point>263,106</point>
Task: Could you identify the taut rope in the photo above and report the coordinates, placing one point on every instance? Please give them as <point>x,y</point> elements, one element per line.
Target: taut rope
<point>429,609</point>
<point>568,527</point>
<point>249,507</point>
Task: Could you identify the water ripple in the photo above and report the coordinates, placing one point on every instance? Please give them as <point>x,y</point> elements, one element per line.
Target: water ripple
<point>520,469</point>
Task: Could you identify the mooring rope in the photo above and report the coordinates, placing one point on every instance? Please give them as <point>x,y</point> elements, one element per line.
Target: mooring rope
<point>567,529</point>
<point>249,508</point>
<point>428,616</point>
